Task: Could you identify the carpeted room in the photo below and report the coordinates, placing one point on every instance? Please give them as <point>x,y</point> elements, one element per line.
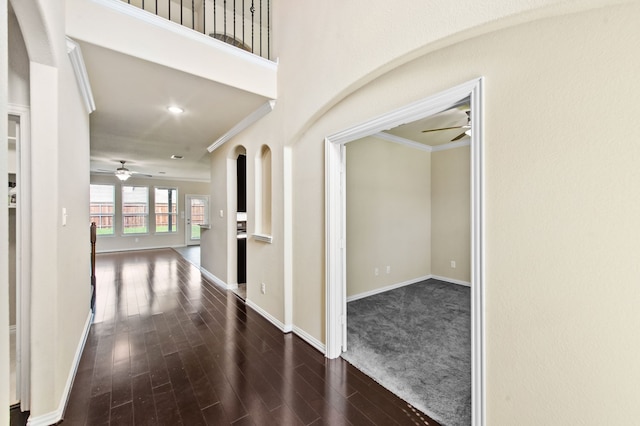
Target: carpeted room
<point>408,271</point>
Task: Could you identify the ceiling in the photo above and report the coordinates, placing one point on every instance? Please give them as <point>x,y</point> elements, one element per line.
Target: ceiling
<point>131,121</point>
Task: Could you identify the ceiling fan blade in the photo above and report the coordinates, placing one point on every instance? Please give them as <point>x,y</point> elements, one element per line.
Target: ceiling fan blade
<point>460,136</point>
<point>446,128</point>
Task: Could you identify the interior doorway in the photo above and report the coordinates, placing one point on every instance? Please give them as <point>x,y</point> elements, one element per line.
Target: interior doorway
<point>19,207</point>
<point>196,215</point>
<point>336,296</point>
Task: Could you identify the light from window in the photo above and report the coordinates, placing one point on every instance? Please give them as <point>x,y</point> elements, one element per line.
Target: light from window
<point>101,208</point>
<point>166,209</point>
<point>135,209</point>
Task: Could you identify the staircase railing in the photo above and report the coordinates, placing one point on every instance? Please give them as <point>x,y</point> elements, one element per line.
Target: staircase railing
<point>242,23</point>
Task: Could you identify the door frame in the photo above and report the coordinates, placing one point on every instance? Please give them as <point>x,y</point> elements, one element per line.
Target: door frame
<point>23,254</point>
<point>335,224</point>
<point>187,216</point>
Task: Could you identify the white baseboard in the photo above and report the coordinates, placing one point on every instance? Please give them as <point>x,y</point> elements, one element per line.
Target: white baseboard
<point>451,280</point>
<point>213,278</point>
<point>273,320</point>
<point>57,415</point>
<point>310,339</point>
<point>386,288</point>
<point>404,283</point>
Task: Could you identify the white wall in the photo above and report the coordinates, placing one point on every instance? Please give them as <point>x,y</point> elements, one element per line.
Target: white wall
<point>60,278</point>
<point>4,277</point>
<point>119,242</point>
<point>388,188</point>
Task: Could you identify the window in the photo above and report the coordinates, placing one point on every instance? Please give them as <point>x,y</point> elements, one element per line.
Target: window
<point>101,208</point>
<point>166,208</point>
<point>135,209</point>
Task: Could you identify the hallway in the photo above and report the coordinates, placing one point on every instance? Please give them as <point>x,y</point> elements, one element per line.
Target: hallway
<point>168,347</point>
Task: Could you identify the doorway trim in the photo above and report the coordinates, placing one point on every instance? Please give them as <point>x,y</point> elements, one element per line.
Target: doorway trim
<point>23,255</point>
<point>335,224</point>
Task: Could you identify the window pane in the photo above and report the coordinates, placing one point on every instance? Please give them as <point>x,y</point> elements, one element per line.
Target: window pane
<point>166,209</point>
<point>135,209</point>
<point>102,207</point>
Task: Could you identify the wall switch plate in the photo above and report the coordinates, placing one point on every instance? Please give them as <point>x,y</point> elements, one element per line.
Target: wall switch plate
<point>64,216</point>
<point>221,213</point>
<point>263,288</point>
<point>376,271</point>
<point>388,269</point>
<point>453,264</point>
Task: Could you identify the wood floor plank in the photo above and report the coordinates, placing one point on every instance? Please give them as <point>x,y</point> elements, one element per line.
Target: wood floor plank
<point>169,347</point>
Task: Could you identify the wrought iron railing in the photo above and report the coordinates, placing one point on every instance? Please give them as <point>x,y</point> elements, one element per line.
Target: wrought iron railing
<point>242,23</point>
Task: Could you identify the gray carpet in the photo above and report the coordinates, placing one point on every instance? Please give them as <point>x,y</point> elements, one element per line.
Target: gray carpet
<point>416,342</point>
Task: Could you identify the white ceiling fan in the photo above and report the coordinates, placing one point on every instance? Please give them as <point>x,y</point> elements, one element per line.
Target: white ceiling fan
<point>122,173</point>
<point>465,128</point>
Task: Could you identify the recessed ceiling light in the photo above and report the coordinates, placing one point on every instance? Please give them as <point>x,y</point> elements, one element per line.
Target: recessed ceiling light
<point>175,109</point>
<point>176,157</point>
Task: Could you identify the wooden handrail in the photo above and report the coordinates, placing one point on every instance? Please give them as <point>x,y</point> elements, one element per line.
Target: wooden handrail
<point>93,266</point>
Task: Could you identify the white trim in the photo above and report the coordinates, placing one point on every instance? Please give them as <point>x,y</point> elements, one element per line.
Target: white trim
<point>402,141</point>
<point>386,288</point>
<point>422,147</point>
<point>150,18</point>
<point>451,280</point>
<point>335,209</point>
<point>309,339</point>
<point>256,115</point>
<point>451,145</point>
<point>287,161</point>
<point>213,278</point>
<point>80,71</point>
<point>273,320</point>
<point>57,415</point>
<point>23,255</point>
<point>136,248</point>
<point>263,238</point>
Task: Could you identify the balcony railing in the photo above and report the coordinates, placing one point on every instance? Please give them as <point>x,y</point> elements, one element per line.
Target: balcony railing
<point>245,24</point>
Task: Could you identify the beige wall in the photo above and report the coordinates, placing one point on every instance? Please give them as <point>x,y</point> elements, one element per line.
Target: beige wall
<point>388,214</point>
<point>119,242</point>
<point>561,216</point>
<point>451,213</point>
<point>264,260</point>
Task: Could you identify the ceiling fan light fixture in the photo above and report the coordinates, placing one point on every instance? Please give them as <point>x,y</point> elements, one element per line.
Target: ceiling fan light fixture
<point>122,173</point>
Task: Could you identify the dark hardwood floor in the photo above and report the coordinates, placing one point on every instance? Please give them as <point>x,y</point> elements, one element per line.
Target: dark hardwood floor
<point>169,348</point>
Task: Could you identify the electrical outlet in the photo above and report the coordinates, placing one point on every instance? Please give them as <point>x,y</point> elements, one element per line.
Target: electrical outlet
<point>453,264</point>
<point>388,269</point>
<point>136,240</point>
<point>376,271</point>
<point>263,288</point>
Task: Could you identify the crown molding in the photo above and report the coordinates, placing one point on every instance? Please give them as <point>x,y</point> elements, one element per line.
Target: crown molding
<point>80,71</point>
<point>256,115</point>
<point>402,141</point>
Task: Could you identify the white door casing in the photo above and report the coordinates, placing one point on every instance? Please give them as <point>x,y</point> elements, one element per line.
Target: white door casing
<point>335,224</point>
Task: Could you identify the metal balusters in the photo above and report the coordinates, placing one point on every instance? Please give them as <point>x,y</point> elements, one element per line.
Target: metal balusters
<point>260,27</point>
<point>253,11</point>
<point>237,36</point>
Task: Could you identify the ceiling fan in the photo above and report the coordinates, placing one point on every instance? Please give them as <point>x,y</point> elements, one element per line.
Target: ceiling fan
<point>465,132</point>
<point>122,173</point>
